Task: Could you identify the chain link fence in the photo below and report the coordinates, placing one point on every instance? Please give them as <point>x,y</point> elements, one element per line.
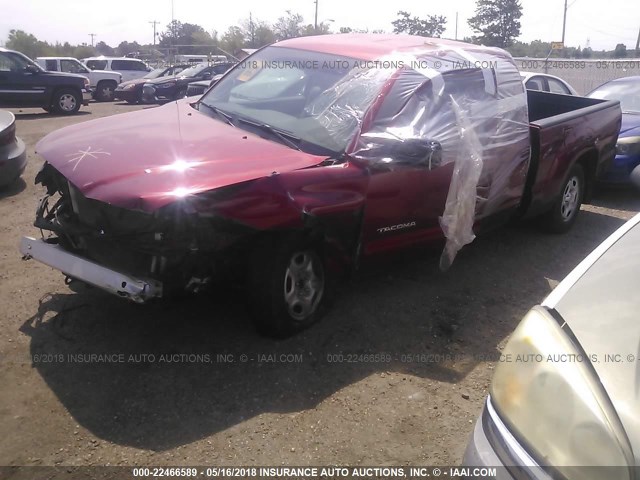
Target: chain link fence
<point>582,74</point>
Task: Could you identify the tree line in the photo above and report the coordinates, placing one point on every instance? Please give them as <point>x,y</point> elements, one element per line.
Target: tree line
<point>495,23</point>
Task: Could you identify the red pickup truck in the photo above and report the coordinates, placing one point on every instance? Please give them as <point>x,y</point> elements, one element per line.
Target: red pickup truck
<point>308,156</point>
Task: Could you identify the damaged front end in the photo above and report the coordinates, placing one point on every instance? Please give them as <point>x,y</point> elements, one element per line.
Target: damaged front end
<point>134,254</point>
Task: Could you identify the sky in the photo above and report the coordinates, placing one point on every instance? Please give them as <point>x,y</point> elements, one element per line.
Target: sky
<point>588,21</point>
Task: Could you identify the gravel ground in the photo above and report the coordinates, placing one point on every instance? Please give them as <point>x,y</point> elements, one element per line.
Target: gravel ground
<point>191,383</point>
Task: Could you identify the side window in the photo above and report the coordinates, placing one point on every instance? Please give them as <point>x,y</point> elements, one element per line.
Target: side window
<point>535,83</point>
<point>130,65</point>
<point>10,62</point>
<point>71,66</point>
<point>97,64</point>
<point>220,68</point>
<point>51,65</point>
<point>120,65</point>
<point>176,71</point>
<point>557,87</point>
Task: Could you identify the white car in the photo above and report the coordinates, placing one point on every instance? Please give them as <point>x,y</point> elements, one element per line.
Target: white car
<point>546,83</point>
<point>102,83</point>
<point>129,68</point>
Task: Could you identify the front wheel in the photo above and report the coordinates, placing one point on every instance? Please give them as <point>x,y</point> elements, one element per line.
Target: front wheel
<point>66,102</point>
<point>288,286</point>
<point>565,209</point>
<point>105,91</point>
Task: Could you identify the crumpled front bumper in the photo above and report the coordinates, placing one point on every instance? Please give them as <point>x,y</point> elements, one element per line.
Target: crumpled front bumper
<point>139,290</point>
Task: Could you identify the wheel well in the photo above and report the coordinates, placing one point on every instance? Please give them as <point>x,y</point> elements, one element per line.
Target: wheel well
<point>113,82</point>
<point>588,161</point>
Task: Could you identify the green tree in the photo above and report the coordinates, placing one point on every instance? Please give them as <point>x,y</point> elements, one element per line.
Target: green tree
<point>620,51</point>
<point>432,26</point>
<point>233,40</point>
<point>103,49</point>
<point>587,52</point>
<point>497,22</point>
<point>125,47</point>
<point>289,26</point>
<point>28,44</point>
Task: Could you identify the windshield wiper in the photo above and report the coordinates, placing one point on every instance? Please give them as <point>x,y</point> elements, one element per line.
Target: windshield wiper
<point>288,139</point>
<point>227,118</point>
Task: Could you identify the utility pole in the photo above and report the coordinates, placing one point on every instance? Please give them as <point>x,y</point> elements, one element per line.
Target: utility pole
<point>154,23</point>
<point>564,25</point>
<point>638,44</point>
<point>456,25</point>
<point>315,22</point>
<point>92,35</point>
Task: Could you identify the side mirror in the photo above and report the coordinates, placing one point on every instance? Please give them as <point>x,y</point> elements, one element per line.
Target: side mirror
<point>31,68</point>
<point>413,151</point>
<point>416,151</point>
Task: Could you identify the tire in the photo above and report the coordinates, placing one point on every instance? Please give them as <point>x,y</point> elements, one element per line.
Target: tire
<point>66,101</point>
<point>288,286</point>
<point>105,91</point>
<point>561,217</point>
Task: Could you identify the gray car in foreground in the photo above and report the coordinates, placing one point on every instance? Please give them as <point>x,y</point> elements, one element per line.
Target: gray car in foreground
<point>565,397</point>
<point>13,155</point>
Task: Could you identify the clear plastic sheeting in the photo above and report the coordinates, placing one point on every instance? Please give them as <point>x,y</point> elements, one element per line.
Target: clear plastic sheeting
<point>464,106</point>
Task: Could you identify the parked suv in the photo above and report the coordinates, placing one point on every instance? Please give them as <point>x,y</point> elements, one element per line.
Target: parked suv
<point>103,83</point>
<point>129,68</point>
<point>23,83</point>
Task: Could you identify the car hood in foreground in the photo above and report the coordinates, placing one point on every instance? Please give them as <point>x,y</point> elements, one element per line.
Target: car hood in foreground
<point>149,158</point>
<point>601,309</point>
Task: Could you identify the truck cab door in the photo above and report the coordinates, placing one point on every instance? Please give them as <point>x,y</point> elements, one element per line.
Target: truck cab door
<point>20,81</point>
<point>406,194</point>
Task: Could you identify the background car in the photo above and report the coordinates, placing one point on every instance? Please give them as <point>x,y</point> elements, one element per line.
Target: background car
<point>564,393</point>
<point>198,88</point>
<point>102,82</point>
<point>546,83</point>
<point>626,165</point>
<point>13,154</point>
<point>129,68</point>
<point>24,83</point>
<point>172,88</point>
<point>131,91</point>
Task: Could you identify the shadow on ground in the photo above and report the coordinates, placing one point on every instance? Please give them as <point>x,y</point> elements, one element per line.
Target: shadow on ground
<point>405,307</point>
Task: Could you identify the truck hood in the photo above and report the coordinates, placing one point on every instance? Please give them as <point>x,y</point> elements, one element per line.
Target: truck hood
<point>146,159</point>
<point>630,125</point>
<point>64,75</point>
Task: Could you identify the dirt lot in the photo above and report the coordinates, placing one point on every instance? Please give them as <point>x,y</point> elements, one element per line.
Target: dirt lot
<point>156,407</point>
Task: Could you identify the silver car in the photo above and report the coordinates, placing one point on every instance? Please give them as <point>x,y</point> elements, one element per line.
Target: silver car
<point>565,397</point>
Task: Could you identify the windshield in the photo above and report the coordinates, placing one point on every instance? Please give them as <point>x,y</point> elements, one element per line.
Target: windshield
<point>193,71</point>
<point>318,99</point>
<point>155,73</point>
<point>628,93</point>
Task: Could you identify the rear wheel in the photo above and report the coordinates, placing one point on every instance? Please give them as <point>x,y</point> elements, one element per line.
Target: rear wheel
<point>565,209</point>
<point>66,101</point>
<point>288,286</point>
<point>105,91</point>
